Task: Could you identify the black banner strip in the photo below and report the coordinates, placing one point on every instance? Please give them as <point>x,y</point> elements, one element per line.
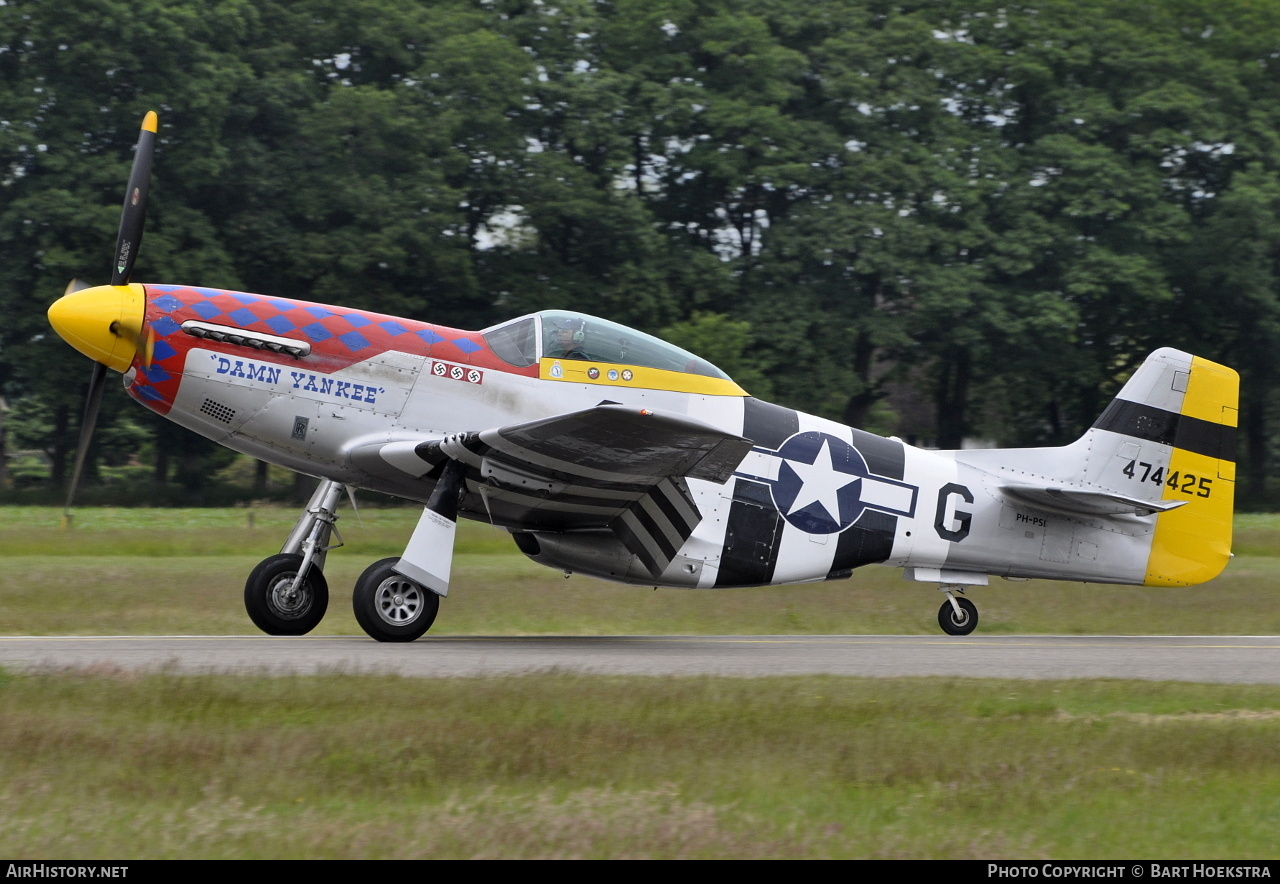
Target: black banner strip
<point>866,542</point>
<point>884,457</point>
<point>1167,428</point>
<point>768,425</point>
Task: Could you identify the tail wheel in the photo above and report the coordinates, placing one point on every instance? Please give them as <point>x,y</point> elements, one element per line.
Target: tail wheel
<point>963,624</point>
<point>275,606</point>
<point>390,607</point>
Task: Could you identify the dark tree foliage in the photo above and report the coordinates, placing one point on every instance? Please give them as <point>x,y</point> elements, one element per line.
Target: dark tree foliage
<point>945,220</point>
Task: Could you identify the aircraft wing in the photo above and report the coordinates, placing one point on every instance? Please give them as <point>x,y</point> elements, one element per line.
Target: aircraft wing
<point>1082,502</point>
<point>611,467</point>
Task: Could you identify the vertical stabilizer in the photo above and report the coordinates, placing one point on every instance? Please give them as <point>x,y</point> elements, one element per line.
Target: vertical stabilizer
<point>1172,431</point>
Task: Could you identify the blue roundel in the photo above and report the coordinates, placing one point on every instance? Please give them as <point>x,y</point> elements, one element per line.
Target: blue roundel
<point>819,483</point>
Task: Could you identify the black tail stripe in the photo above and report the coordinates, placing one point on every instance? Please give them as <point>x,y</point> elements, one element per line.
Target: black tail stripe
<point>1168,428</point>
<point>867,541</point>
<point>752,534</point>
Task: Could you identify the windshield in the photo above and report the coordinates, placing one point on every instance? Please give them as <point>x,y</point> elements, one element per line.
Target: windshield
<point>516,341</point>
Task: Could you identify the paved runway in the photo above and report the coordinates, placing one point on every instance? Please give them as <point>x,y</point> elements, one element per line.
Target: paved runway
<point>1241,659</point>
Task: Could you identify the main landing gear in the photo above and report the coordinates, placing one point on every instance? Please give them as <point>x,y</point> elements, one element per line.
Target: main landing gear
<point>390,607</point>
<point>287,594</point>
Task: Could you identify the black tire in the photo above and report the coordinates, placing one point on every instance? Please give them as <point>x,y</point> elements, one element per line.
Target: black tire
<point>953,625</point>
<point>272,609</point>
<point>390,607</point>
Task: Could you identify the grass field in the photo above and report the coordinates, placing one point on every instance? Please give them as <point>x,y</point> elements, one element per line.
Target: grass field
<point>137,571</point>
<point>103,764</point>
<point>345,766</point>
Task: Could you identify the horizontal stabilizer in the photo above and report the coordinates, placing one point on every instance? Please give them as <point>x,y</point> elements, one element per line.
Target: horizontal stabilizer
<point>1077,501</point>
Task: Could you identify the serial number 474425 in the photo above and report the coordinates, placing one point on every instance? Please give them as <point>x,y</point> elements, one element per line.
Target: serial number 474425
<point>1184,483</point>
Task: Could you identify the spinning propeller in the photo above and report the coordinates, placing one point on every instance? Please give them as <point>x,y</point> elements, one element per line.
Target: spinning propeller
<point>107,323</point>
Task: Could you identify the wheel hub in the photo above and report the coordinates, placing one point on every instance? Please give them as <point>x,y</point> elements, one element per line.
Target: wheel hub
<point>399,601</point>
<point>287,602</point>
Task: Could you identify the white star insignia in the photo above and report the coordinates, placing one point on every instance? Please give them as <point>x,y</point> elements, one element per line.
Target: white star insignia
<point>820,483</point>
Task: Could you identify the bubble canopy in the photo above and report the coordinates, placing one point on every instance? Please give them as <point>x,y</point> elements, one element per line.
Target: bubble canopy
<point>562,334</point>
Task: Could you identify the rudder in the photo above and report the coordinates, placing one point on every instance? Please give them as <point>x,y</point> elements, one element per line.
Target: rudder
<point>1180,413</point>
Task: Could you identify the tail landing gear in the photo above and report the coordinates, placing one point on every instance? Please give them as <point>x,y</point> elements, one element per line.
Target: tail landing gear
<point>957,616</point>
<point>287,593</point>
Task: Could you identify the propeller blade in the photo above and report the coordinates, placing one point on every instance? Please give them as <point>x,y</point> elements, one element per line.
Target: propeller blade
<point>134,212</point>
<point>75,285</point>
<point>143,340</point>
<point>92,403</point>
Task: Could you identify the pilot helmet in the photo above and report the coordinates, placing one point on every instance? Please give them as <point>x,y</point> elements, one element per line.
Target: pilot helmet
<point>574,325</point>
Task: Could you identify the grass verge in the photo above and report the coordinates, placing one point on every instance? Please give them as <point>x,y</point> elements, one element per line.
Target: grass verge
<point>356,767</point>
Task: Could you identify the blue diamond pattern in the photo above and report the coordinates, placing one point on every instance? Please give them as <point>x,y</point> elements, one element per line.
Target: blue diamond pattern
<point>280,325</point>
<point>242,317</point>
<point>164,326</point>
<point>206,310</point>
<point>162,351</point>
<point>355,320</point>
<point>168,303</point>
<point>392,327</point>
<point>244,297</point>
<point>319,312</point>
<point>354,340</point>
<point>155,374</point>
<point>429,336</point>
<point>280,305</point>
<point>316,332</point>
<point>145,392</point>
<point>466,345</point>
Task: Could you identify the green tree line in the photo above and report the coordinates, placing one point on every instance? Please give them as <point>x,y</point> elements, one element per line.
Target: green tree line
<point>937,219</point>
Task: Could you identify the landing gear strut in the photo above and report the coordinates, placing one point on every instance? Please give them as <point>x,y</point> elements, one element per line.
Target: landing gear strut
<point>397,599</point>
<point>957,616</point>
<point>287,593</point>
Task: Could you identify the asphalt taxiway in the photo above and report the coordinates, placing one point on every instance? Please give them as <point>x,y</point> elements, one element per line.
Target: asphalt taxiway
<point>1225,659</point>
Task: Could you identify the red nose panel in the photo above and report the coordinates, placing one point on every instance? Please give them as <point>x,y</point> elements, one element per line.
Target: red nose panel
<point>338,336</point>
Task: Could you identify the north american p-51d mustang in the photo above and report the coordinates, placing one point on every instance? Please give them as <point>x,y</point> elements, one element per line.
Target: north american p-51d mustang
<point>609,452</point>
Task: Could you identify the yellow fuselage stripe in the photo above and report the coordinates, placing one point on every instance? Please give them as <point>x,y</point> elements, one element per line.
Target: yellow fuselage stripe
<point>609,374</point>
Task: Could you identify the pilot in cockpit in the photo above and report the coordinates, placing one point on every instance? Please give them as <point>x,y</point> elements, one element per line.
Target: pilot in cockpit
<point>567,339</point>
